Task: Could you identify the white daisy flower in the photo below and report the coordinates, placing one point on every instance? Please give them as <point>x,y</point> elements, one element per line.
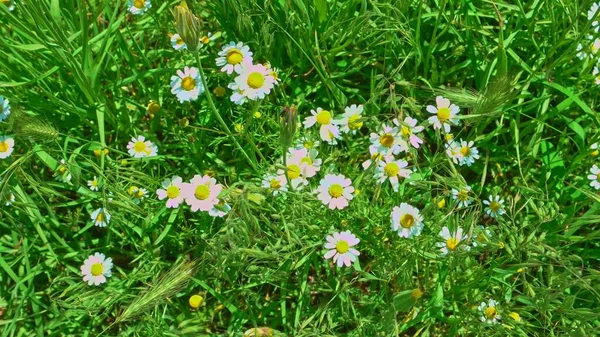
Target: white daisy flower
<point>307,143</point>
<point>489,313</point>
<point>387,141</point>
<point>495,206</point>
<point>139,7</point>
<point>206,39</point>
<point>255,81</point>
<point>351,119</point>
<point>93,184</point>
<point>7,146</point>
<point>408,131</point>
<point>187,85</point>
<point>592,16</point>
<point>596,74</point>
<point>594,177</point>
<point>177,42</point>
<point>340,248</point>
<point>453,149</point>
<point>589,48</point>
<point>335,190</point>
<point>327,130</point>
<point>406,220</point>
<point>468,153</point>
<point>202,193</point>
<point>171,190</point>
<point>451,240</point>
<point>232,56</point>
<point>237,96</point>
<point>392,169</point>
<point>293,170</point>
<point>594,148</point>
<point>462,197</point>
<point>444,114</point>
<point>309,163</point>
<point>96,268</point>
<point>62,172</point>
<point>274,72</point>
<point>100,217</point>
<point>141,148</point>
<point>220,210</point>
<point>375,158</point>
<point>277,183</point>
<point>137,194</point>
<point>482,238</point>
<point>4,108</point>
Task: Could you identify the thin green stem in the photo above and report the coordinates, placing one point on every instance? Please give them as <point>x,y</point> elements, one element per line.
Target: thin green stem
<point>212,106</point>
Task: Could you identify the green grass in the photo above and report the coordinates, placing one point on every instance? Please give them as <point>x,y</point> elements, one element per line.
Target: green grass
<point>79,75</point>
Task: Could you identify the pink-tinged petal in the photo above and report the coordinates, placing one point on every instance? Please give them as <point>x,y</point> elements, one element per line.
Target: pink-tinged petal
<point>342,203</point>
<point>330,254</point>
<point>173,203</point>
<point>100,279</point>
<point>354,252</point>
<point>330,239</point>
<point>161,194</point>
<point>431,109</point>
<point>445,233</point>
<point>415,141</point>
<point>324,133</point>
<point>347,260</point>
<point>340,260</point>
<point>442,102</point>
<point>329,245</point>
<point>333,204</point>
<point>309,121</point>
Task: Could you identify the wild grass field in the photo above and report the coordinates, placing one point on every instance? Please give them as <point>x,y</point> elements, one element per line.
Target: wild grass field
<point>299,168</point>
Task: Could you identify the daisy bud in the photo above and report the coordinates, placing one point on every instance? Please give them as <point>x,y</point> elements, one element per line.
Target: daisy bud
<point>515,316</point>
<point>153,108</point>
<point>219,91</point>
<point>288,125</point>
<point>196,301</point>
<point>188,26</point>
<point>417,294</point>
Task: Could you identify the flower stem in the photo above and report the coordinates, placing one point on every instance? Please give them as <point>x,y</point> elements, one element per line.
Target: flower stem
<point>212,106</point>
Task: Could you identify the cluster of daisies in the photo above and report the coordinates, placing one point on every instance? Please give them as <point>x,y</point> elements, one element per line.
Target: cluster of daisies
<point>7,144</point>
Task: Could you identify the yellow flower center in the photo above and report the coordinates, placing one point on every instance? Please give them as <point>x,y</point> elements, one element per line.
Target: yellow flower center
<point>100,217</point>
<point>179,41</point>
<point>256,80</point>
<point>324,117</point>
<point>391,169</point>
<point>3,147</point>
<point>188,83</point>
<point>387,140</point>
<point>490,312</point>
<point>196,301</point>
<point>275,184</point>
<point>354,122</point>
<point>97,269</point>
<point>234,56</point>
<point>342,246</point>
<point>62,169</point>
<point>139,193</point>
<point>202,192</point>
<point>205,39</point>
<point>274,74</point>
<point>463,195</point>
<point>293,171</point>
<point>443,114</point>
<point>336,190</point>
<point>173,192</point>
<point>407,220</point>
<point>465,151</point>
<point>306,160</point>
<point>596,152</point>
<point>452,243</point>
<point>139,3</point>
<point>139,146</point>
<point>95,183</point>
<point>494,206</point>
<point>405,131</point>
<point>308,144</point>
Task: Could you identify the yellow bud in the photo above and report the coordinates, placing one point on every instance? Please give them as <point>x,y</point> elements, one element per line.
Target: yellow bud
<point>417,294</point>
<point>210,173</point>
<point>449,137</point>
<point>515,316</point>
<point>238,127</point>
<point>98,152</point>
<point>356,192</point>
<point>520,270</point>
<point>257,114</point>
<point>595,153</point>
<point>153,108</point>
<point>196,301</point>
<point>184,122</point>
<point>441,203</point>
<point>501,245</point>
<point>344,223</point>
<point>219,91</point>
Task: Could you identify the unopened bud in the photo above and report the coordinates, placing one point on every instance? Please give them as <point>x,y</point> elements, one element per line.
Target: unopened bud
<point>288,125</point>
<point>188,26</point>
